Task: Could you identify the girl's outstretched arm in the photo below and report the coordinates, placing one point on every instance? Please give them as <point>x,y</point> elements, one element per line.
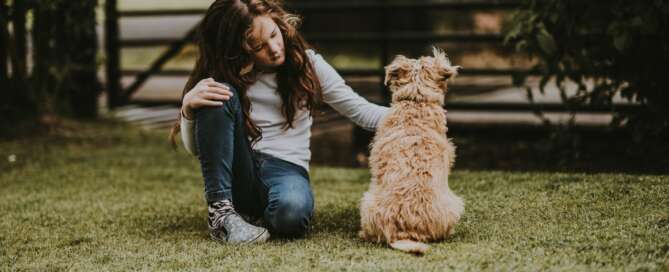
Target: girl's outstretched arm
<point>343,99</point>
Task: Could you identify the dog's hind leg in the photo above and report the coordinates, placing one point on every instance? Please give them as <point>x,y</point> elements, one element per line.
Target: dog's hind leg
<point>368,228</point>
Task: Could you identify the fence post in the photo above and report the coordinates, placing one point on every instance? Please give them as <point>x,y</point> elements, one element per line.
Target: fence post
<point>361,137</point>
<point>113,67</point>
<point>385,53</point>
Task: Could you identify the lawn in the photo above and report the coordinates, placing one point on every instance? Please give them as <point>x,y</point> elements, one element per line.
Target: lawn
<point>106,196</point>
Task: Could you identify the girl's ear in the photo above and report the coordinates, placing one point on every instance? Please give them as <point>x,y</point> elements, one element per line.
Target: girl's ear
<point>398,70</point>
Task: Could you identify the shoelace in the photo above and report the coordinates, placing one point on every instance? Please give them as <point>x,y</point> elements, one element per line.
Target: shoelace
<point>218,211</point>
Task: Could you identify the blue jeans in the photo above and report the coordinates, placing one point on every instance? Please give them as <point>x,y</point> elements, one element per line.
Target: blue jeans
<point>259,185</point>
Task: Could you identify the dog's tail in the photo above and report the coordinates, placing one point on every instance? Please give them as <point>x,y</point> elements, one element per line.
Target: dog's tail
<point>410,246</point>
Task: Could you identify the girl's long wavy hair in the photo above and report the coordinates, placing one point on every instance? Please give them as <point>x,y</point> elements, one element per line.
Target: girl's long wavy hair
<point>223,52</point>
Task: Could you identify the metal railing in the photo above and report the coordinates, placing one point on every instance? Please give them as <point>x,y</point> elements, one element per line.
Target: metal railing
<point>382,39</point>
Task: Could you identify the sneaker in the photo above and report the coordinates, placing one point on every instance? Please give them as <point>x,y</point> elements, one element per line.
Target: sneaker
<point>256,221</point>
<point>227,226</point>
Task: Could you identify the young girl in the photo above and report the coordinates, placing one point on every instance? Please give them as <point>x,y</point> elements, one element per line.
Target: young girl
<point>246,114</point>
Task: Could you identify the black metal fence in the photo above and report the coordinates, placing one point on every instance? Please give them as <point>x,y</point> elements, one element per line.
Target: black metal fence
<point>380,40</point>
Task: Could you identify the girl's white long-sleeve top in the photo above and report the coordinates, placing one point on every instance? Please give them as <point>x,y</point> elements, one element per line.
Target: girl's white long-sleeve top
<point>293,144</point>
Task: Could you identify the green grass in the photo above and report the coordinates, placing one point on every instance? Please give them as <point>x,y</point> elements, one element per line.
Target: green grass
<point>105,196</point>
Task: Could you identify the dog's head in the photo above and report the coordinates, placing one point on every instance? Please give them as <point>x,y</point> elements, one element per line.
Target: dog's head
<point>423,79</point>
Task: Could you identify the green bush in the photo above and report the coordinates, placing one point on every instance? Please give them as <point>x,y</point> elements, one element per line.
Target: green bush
<point>60,77</point>
<point>621,46</point>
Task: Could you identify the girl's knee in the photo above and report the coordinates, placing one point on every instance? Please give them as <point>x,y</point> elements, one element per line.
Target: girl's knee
<point>291,216</point>
<point>228,108</point>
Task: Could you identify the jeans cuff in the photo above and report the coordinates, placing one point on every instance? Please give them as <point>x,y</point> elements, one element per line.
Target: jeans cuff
<point>216,196</point>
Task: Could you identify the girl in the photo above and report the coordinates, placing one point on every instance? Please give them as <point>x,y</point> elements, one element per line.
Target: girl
<point>247,113</point>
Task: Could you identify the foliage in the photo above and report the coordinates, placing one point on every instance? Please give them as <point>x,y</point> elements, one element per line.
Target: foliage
<point>63,80</point>
<point>103,196</point>
<point>621,46</point>
<point>65,56</point>
<point>16,103</point>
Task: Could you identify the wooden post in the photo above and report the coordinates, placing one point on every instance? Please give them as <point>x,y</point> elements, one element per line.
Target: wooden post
<point>113,66</point>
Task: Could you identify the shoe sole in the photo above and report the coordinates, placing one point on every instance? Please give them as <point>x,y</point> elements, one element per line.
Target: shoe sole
<point>262,237</point>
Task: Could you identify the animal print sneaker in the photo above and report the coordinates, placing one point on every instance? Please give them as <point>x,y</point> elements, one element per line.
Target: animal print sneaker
<point>227,226</point>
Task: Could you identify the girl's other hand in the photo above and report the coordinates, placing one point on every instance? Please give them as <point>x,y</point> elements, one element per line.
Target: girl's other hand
<point>207,92</point>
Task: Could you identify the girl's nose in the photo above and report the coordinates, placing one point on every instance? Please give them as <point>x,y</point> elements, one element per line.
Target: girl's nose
<point>274,48</point>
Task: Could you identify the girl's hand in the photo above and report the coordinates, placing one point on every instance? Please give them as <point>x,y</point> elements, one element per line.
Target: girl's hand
<point>207,92</point>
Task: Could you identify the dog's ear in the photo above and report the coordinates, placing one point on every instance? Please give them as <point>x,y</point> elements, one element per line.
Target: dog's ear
<point>446,70</point>
<point>449,72</point>
<point>398,70</point>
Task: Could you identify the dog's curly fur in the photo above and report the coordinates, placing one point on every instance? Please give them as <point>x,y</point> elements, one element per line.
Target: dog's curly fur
<point>409,200</point>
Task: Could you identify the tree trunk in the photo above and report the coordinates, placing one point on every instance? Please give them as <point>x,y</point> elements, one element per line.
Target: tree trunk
<point>4,40</point>
<point>5,104</point>
<point>19,56</point>
<point>44,83</point>
<point>16,104</point>
<point>21,93</point>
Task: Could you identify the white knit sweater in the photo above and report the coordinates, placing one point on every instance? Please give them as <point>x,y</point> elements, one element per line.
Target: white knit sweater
<point>293,144</point>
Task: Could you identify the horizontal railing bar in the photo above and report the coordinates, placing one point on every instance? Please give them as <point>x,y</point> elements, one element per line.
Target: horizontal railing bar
<point>543,107</point>
<point>476,106</point>
<point>161,12</point>
<point>408,36</point>
<point>360,72</point>
<point>354,37</point>
<point>148,42</point>
<point>351,6</point>
<point>480,4</point>
<point>472,71</point>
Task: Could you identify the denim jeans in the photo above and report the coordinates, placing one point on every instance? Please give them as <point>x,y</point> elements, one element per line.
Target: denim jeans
<point>258,184</point>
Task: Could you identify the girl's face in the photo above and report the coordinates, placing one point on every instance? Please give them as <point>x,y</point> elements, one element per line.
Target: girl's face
<point>266,43</point>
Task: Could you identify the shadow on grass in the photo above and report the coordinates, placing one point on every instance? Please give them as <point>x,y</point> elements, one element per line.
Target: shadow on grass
<point>341,220</point>
<point>329,220</point>
<point>168,224</point>
<point>190,223</point>
<point>539,149</point>
<point>528,148</point>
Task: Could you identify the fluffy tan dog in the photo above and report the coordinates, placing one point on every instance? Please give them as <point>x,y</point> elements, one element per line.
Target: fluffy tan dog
<point>409,201</point>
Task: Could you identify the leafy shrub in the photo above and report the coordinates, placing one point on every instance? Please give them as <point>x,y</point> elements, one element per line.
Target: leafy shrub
<point>620,46</point>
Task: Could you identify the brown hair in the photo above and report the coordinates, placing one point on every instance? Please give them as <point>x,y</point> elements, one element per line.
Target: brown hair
<point>223,53</point>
